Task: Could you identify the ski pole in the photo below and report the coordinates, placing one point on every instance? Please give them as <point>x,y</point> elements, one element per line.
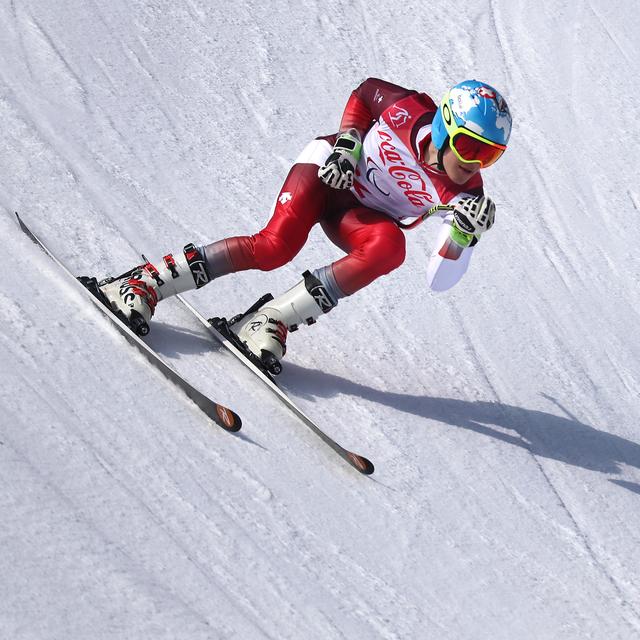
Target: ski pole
<point>425,215</point>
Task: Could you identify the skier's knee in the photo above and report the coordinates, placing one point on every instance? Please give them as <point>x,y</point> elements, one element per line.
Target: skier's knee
<point>386,252</point>
<point>272,253</point>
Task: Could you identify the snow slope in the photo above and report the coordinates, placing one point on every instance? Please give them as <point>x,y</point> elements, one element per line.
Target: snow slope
<point>502,416</point>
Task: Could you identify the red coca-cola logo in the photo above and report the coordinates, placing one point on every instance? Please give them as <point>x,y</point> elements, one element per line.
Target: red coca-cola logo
<point>408,179</point>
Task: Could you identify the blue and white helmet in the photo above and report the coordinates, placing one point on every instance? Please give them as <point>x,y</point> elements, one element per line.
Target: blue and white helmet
<point>476,106</point>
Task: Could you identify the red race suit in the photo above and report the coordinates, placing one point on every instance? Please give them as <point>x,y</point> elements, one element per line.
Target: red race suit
<point>392,183</point>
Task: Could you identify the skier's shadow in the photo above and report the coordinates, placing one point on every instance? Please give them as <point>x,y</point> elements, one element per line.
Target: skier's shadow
<point>544,434</point>
<point>172,340</point>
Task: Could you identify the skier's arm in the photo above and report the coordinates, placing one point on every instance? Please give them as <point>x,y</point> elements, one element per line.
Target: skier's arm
<point>365,105</point>
<point>460,232</point>
<point>449,261</point>
<point>368,102</point>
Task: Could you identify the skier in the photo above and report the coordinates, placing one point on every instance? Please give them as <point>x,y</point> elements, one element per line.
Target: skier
<point>396,155</point>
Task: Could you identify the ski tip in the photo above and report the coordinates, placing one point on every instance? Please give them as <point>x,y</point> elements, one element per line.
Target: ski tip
<point>362,464</point>
<point>22,224</point>
<point>227,419</point>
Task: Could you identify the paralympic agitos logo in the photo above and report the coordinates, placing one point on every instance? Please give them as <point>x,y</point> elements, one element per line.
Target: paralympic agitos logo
<point>406,178</point>
<point>372,176</point>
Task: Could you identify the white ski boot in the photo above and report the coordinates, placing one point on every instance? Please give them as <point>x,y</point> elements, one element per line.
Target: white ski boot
<point>264,332</point>
<point>134,295</point>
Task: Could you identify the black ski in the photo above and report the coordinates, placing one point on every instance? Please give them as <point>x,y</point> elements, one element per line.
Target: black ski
<point>229,340</point>
<point>221,415</point>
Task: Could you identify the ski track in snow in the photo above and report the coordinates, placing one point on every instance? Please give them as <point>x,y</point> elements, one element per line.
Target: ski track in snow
<point>501,416</point>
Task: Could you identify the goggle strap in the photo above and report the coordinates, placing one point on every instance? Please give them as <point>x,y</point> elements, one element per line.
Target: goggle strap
<point>441,151</point>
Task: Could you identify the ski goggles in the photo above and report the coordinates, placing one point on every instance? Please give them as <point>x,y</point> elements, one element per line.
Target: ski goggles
<point>469,146</point>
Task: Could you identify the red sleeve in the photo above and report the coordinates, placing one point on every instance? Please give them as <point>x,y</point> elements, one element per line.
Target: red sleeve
<point>368,102</point>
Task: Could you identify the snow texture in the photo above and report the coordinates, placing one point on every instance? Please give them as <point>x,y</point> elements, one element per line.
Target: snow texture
<point>502,416</point>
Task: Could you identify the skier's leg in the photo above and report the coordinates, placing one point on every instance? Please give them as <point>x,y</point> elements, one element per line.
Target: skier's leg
<point>299,206</point>
<point>138,291</point>
<point>375,246</point>
<point>265,331</point>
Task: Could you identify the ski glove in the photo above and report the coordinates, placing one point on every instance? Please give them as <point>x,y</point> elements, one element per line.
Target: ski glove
<point>471,218</point>
<point>339,168</point>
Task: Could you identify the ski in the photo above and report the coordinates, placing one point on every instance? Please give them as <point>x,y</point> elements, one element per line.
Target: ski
<point>221,415</point>
<point>216,326</point>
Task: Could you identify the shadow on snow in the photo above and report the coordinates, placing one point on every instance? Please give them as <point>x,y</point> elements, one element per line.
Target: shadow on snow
<point>562,438</point>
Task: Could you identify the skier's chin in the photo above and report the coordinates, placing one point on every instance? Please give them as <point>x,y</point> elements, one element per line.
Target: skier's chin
<point>460,175</point>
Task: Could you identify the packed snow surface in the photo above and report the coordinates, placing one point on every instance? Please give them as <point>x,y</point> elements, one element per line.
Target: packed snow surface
<point>502,416</point>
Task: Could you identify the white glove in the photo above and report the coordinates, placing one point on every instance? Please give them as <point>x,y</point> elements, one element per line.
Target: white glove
<point>339,168</point>
<point>471,218</point>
